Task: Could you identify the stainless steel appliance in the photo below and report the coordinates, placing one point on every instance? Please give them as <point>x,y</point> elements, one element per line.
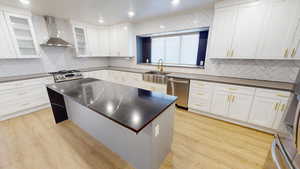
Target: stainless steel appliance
<point>66,75</point>
<point>285,149</point>
<point>180,88</point>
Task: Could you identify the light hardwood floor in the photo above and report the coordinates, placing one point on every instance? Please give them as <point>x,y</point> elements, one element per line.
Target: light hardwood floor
<point>34,142</point>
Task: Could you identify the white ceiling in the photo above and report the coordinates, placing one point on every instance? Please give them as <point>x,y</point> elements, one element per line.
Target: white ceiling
<point>112,11</point>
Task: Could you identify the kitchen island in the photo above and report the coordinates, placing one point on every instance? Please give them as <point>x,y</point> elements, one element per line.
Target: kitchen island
<point>134,123</point>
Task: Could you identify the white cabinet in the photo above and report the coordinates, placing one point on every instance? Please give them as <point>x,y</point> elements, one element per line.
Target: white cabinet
<point>223,30</point>
<point>80,38</point>
<point>23,96</point>
<point>220,105</point>
<point>278,29</point>
<point>240,106</point>
<point>93,38</point>
<point>231,37</point>
<point>200,95</point>
<point>104,42</point>
<point>245,39</point>
<point>121,40</point>
<point>22,35</point>
<point>6,46</point>
<point>268,108</point>
<point>255,30</point>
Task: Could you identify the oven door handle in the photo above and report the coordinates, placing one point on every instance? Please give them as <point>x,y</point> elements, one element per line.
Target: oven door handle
<point>274,156</point>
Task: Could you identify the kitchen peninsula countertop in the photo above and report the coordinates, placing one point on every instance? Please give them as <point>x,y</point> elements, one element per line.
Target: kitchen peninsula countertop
<point>130,107</point>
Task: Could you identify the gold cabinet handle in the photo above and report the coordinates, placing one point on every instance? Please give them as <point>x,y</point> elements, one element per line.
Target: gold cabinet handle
<point>228,98</point>
<point>232,89</point>
<point>228,51</point>
<point>232,53</point>
<point>286,52</point>
<point>233,98</point>
<point>277,106</point>
<point>293,52</point>
<point>282,107</point>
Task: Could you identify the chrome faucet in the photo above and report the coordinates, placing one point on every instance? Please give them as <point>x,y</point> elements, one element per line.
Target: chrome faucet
<point>160,65</point>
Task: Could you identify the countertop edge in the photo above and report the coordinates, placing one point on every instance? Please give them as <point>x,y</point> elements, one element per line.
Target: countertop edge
<point>23,77</point>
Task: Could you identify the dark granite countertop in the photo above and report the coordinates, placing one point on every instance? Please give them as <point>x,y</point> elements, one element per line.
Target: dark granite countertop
<point>236,81</point>
<point>130,107</point>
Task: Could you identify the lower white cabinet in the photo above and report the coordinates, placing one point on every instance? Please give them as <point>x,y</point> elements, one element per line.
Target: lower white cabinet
<point>268,110</point>
<point>240,106</point>
<point>22,96</point>
<point>256,107</point>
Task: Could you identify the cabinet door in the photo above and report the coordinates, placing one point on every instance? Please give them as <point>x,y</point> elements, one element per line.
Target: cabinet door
<point>23,35</point>
<point>280,112</point>
<point>240,106</point>
<point>220,104</point>
<point>114,43</point>
<point>295,50</point>
<point>277,29</point>
<point>93,41</point>
<point>104,42</point>
<point>6,46</point>
<point>124,40</point>
<point>81,43</point>
<point>246,40</point>
<point>223,29</point>
<point>264,111</point>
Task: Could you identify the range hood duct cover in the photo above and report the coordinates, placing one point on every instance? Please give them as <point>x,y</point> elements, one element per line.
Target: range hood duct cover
<point>54,40</point>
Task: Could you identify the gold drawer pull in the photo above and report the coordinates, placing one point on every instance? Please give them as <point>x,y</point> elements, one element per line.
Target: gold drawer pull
<point>276,106</point>
<point>286,52</point>
<point>282,108</point>
<point>201,94</point>
<point>293,52</point>
<point>232,89</point>
<point>281,95</point>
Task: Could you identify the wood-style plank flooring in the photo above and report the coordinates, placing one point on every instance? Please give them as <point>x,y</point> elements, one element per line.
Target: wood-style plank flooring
<point>34,141</point>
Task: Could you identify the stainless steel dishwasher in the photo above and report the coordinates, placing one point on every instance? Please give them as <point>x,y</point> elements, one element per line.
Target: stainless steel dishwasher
<point>180,88</point>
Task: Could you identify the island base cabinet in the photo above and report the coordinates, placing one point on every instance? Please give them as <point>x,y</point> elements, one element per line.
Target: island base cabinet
<point>144,150</point>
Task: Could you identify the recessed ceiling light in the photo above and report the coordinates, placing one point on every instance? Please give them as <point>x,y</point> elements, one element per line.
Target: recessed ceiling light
<point>125,27</point>
<point>101,21</point>
<point>131,14</point>
<point>162,27</point>
<point>25,2</point>
<point>175,2</point>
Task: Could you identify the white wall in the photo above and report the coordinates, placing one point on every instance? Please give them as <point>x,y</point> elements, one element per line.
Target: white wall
<point>52,59</point>
<point>285,71</point>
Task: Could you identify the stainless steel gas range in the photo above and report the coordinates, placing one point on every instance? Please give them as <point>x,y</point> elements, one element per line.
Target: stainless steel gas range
<point>66,75</point>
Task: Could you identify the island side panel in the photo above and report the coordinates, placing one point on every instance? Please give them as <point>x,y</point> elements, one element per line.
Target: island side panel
<point>142,150</point>
<point>162,138</point>
<point>58,105</point>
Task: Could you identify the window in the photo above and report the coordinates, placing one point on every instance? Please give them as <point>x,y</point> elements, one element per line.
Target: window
<point>179,49</point>
<point>187,47</point>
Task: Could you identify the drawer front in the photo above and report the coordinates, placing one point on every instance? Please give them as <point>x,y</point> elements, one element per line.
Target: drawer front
<point>200,104</point>
<point>235,89</point>
<point>200,85</point>
<point>276,94</point>
<point>25,83</point>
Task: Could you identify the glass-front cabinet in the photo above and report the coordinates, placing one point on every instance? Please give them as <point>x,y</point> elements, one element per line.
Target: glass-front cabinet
<point>80,36</point>
<point>23,36</point>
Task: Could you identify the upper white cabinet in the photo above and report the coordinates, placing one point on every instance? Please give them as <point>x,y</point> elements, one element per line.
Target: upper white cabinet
<point>80,38</point>
<point>262,29</point>
<point>6,47</point>
<point>93,41</point>
<point>121,40</point>
<point>245,38</point>
<point>22,35</point>
<point>223,30</point>
<point>279,25</point>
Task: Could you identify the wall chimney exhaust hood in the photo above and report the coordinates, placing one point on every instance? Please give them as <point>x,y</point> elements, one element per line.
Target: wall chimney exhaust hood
<point>54,34</point>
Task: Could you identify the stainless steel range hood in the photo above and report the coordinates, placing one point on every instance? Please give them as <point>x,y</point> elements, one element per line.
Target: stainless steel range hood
<point>54,34</point>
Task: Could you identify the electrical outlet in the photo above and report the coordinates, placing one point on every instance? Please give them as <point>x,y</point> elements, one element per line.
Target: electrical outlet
<point>156,132</point>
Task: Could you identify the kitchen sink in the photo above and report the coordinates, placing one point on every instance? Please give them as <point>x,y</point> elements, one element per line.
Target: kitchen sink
<point>155,77</point>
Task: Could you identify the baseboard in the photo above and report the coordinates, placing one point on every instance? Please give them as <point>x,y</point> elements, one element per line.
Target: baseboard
<point>240,123</point>
<point>23,112</point>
